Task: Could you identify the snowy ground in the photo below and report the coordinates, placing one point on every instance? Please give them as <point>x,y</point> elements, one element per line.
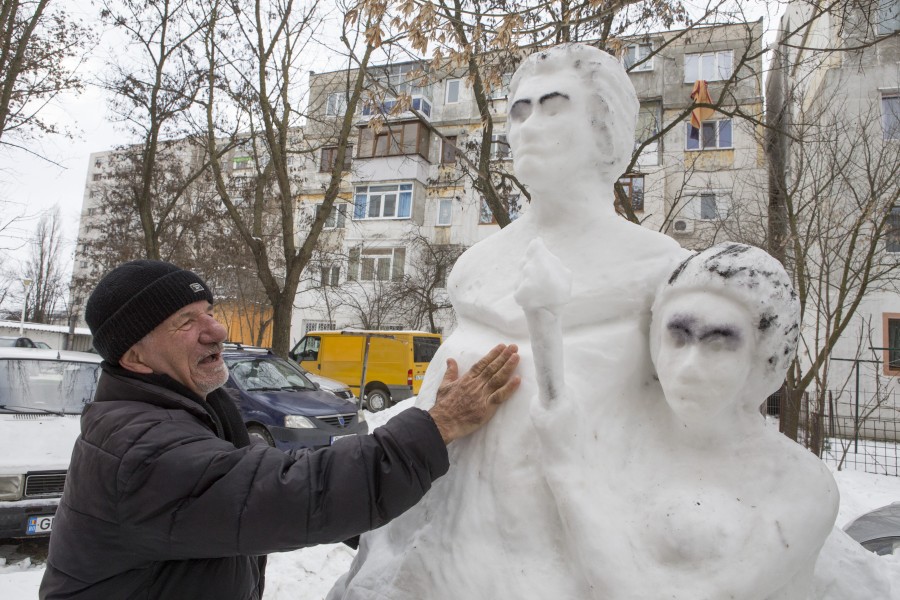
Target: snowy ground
<point>309,573</point>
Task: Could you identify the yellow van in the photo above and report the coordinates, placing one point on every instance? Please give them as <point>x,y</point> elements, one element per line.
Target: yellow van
<point>388,366</point>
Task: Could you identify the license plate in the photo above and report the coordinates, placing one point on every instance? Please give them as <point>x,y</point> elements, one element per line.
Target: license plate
<point>39,524</point>
<point>337,437</point>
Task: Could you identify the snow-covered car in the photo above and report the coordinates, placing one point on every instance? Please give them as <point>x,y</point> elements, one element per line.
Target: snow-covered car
<point>11,341</point>
<point>42,394</point>
<point>879,530</point>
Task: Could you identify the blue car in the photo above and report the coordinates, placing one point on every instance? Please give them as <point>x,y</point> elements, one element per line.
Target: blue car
<point>283,408</point>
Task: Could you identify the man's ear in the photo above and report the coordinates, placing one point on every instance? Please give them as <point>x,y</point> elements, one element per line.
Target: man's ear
<point>132,360</point>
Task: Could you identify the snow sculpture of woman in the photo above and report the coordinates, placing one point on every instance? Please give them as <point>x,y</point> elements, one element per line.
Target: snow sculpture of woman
<point>492,527</point>
<point>745,511</point>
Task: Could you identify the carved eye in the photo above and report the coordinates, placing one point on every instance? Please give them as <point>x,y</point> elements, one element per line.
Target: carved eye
<point>554,104</point>
<point>679,336</point>
<point>520,110</point>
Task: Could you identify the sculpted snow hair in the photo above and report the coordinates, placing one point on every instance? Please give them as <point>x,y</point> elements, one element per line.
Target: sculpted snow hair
<point>758,282</point>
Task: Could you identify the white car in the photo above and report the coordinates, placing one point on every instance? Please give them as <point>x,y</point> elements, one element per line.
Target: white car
<point>339,389</point>
<point>42,394</point>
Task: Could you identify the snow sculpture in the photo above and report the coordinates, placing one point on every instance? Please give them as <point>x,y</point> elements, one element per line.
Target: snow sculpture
<point>749,516</point>
<point>561,494</point>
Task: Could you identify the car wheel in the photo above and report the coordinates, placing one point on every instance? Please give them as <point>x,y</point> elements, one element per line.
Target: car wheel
<point>378,399</point>
<point>260,435</point>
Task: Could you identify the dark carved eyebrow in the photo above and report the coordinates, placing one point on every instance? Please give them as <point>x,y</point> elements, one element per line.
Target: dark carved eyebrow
<point>552,95</point>
<point>725,332</point>
<point>522,102</point>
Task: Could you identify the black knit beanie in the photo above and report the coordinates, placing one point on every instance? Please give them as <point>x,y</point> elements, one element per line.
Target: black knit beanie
<point>132,299</point>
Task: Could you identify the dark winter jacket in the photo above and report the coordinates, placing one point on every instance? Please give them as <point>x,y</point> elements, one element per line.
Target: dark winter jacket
<point>158,505</point>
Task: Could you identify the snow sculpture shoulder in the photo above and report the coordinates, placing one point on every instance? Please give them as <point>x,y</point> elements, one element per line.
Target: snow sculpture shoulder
<point>749,517</point>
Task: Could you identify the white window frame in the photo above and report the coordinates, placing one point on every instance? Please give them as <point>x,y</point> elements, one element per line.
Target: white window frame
<point>400,194</point>
<point>498,92</point>
<point>709,66</point>
<point>338,217</point>
<point>639,51</point>
<point>890,116</point>
<point>378,264</point>
<point>718,132</point>
<point>444,216</point>
<point>336,104</point>
<point>500,149</point>
<point>330,276</point>
<point>313,326</point>
<point>451,96</point>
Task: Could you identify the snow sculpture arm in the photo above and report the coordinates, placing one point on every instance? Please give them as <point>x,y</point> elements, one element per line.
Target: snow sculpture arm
<point>546,286</point>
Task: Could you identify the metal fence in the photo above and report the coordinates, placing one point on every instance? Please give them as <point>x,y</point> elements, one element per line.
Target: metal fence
<point>859,433</point>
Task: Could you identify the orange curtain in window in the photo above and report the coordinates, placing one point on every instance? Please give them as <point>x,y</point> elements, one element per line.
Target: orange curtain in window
<point>700,95</point>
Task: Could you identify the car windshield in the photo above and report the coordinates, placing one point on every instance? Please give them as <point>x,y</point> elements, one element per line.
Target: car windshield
<point>264,374</point>
<point>39,386</point>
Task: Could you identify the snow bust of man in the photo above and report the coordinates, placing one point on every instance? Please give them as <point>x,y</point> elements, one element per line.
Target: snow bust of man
<point>528,493</point>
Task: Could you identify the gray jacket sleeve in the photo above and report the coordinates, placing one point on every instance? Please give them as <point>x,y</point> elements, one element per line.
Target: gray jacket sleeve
<point>200,497</point>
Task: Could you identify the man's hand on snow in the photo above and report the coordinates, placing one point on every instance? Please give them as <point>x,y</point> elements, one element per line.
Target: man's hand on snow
<point>464,404</point>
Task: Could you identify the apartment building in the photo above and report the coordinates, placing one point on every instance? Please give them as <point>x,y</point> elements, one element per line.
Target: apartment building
<point>835,95</point>
<point>408,191</point>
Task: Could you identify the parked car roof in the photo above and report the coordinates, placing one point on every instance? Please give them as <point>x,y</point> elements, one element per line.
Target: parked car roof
<point>878,530</point>
<point>43,354</point>
<point>16,341</point>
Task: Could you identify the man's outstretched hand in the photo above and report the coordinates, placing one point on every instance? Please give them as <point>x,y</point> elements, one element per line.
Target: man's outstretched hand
<point>464,404</point>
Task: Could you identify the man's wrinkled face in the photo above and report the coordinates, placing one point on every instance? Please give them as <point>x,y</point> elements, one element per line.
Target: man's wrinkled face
<point>187,347</point>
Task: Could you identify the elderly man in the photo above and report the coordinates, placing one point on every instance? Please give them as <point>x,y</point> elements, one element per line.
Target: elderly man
<point>166,497</point>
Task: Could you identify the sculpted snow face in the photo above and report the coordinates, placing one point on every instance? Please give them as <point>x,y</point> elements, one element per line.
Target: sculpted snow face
<point>587,483</point>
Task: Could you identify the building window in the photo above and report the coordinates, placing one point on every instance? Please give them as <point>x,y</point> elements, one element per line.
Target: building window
<point>395,139</point>
<point>891,343</point>
<point>337,218</point>
<point>239,163</point>
<point>453,88</point>
<point>888,16</point>
<point>376,264</point>
<point>392,201</point>
<point>710,66</point>
<point>501,90</point>
<point>309,326</point>
<point>336,105</point>
<point>709,206</point>
<point>329,155</point>
<point>892,230</point>
<point>633,186</point>
<point>513,206</point>
<point>499,147</point>
<point>444,212</point>
<point>711,135</point>
<point>890,115</point>
<point>448,150</point>
<point>330,276</point>
<point>636,53</point>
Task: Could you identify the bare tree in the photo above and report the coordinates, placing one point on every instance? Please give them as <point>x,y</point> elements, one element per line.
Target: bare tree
<point>40,48</point>
<point>45,269</point>
<point>154,87</point>
<point>253,52</point>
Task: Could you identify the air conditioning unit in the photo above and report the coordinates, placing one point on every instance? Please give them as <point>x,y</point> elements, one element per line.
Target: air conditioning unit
<point>683,226</point>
